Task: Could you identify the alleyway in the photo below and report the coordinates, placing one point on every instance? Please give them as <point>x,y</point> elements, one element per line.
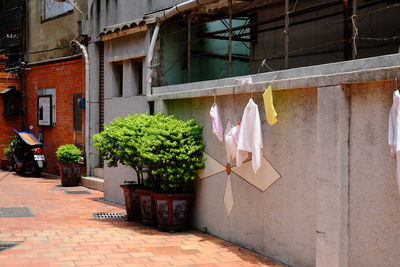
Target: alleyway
<point>63,232</point>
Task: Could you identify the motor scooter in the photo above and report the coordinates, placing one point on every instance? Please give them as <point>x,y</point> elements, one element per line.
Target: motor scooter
<point>28,156</point>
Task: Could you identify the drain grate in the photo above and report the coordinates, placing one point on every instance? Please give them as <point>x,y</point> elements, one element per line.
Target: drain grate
<point>8,245</point>
<point>15,212</point>
<point>109,215</point>
<point>77,192</point>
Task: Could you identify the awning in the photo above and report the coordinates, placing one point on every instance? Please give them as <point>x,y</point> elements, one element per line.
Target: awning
<point>9,90</point>
<point>129,27</point>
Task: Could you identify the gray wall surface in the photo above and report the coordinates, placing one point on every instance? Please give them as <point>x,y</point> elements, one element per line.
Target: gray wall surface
<point>122,51</point>
<point>374,235</point>
<point>52,33</point>
<point>336,203</point>
<point>281,221</point>
<point>114,177</point>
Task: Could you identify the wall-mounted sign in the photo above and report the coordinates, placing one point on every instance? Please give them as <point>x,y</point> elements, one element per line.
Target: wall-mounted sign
<point>44,110</point>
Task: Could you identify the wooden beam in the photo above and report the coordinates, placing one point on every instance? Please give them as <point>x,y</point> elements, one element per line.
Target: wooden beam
<point>126,32</point>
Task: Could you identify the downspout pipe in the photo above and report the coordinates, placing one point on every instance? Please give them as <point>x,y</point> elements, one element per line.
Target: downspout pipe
<point>167,14</point>
<point>87,106</point>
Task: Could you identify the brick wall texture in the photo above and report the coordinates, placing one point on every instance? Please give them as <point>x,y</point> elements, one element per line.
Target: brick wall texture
<point>7,123</point>
<point>67,78</point>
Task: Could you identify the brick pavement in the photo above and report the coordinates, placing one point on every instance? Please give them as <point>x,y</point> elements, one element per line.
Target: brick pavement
<point>63,232</point>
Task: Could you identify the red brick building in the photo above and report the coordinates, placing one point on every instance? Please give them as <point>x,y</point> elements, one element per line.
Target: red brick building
<point>7,122</point>
<point>64,83</point>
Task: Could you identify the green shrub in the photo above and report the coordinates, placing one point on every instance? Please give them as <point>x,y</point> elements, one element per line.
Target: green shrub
<point>68,154</point>
<point>9,150</point>
<point>165,148</point>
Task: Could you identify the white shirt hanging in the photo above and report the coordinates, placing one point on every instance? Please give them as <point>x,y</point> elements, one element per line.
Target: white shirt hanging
<point>250,137</point>
<point>394,124</point>
<point>394,132</point>
<point>216,122</point>
<point>231,140</point>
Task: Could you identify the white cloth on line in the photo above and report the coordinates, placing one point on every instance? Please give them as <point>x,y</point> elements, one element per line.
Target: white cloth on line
<point>216,122</point>
<point>250,137</point>
<point>231,139</point>
<point>394,132</point>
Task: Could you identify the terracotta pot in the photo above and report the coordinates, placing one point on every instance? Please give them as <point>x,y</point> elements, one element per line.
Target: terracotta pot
<point>70,174</point>
<point>172,211</point>
<point>132,202</point>
<point>147,208</point>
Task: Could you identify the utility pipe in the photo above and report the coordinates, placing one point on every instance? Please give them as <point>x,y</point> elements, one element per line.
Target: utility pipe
<point>167,14</point>
<point>87,106</point>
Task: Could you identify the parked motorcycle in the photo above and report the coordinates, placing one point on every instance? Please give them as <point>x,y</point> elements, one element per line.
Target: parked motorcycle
<point>28,156</point>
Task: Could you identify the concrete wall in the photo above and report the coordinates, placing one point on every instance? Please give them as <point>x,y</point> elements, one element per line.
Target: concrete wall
<point>281,221</point>
<point>374,200</point>
<point>123,51</point>
<point>52,33</point>
<point>336,203</point>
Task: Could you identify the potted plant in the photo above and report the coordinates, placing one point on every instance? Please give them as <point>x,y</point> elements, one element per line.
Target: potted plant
<point>166,154</point>
<point>6,161</point>
<point>118,144</point>
<point>69,157</point>
<point>172,150</point>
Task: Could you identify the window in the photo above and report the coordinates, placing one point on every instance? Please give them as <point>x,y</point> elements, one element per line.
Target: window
<point>53,9</point>
<point>118,79</point>
<point>12,102</point>
<point>137,69</point>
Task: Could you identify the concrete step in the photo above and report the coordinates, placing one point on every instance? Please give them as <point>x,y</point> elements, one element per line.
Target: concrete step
<point>93,183</point>
<point>99,172</point>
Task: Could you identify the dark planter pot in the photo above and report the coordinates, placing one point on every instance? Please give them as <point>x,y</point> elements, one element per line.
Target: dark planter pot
<point>4,164</point>
<point>70,174</point>
<point>172,211</point>
<point>132,201</point>
<point>147,208</point>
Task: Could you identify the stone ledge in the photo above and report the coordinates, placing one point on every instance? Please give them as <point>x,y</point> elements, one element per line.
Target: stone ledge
<point>93,183</point>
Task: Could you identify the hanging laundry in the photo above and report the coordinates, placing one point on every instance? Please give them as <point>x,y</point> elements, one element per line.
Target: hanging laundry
<point>231,140</point>
<point>245,80</point>
<point>394,131</point>
<point>250,138</point>
<point>270,112</point>
<point>216,122</point>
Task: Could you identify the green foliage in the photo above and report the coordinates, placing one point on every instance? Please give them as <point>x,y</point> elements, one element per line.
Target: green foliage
<point>68,154</point>
<point>9,150</point>
<point>167,149</point>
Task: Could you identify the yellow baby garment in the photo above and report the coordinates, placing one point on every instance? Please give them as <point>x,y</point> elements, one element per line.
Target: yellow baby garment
<point>270,112</point>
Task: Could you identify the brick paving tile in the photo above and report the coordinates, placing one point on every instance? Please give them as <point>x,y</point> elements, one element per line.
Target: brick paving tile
<point>64,233</point>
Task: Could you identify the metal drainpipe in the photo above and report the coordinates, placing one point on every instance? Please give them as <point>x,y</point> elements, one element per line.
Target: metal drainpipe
<point>180,8</point>
<point>87,106</point>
